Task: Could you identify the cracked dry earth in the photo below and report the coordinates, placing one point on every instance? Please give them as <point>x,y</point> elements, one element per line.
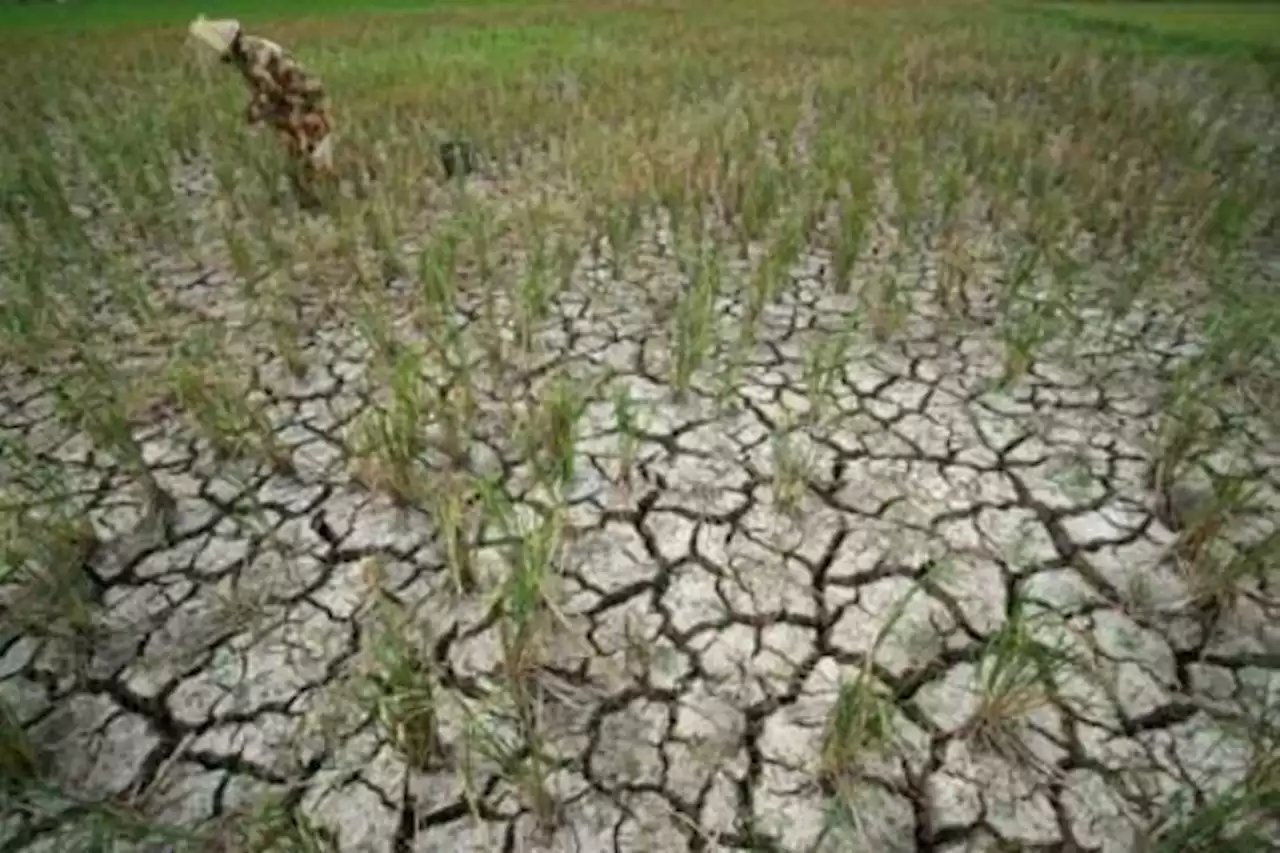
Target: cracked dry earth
<point>706,626</point>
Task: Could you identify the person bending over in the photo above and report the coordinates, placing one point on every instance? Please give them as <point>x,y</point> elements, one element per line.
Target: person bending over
<point>283,93</point>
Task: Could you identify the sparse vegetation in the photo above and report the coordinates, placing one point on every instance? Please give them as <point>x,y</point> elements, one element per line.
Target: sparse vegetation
<point>1018,672</point>
<point>1240,816</point>
<point>691,235</point>
<point>401,689</point>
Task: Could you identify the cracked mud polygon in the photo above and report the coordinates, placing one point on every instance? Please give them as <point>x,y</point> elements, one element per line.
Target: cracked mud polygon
<point>978,569</point>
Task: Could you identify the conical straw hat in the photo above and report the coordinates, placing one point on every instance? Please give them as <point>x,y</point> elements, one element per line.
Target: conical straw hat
<point>216,34</point>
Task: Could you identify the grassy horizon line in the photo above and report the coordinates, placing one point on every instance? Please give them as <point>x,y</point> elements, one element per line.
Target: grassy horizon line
<point>1170,34</point>
<point>97,14</point>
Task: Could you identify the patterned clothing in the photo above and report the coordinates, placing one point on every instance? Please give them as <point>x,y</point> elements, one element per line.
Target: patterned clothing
<point>286,96</point>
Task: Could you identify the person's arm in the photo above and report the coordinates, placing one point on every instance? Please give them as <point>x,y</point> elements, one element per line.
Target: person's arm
<point>260,77</point>
<point>258,59</point>
<point>255,60</point>
<point>256,111</point>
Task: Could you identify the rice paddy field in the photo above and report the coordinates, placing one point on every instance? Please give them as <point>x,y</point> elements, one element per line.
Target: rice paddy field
<point>821,426</point>
<point>1249,27</point>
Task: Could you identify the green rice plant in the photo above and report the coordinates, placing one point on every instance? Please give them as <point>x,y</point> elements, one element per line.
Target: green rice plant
<point>281,248</point>
<point>672,195</point>
<point>1134,274</point>
<point>953,185</point>
<point>134,290</point>
<point>763,194</point>
<point>92,825</point>
<point>598,228</point>
<point>482,227</point>
<point>283,317</point>
<point>550,432</point>
<point>731,183</point>
<point>1240,356</point>
<point>35,176</point>
<point>531,779</point>
<point>373,320</point>
<point>218,406</point>
<point>627,424</point>
<point>1232,495</point>
<point>526,610</point>
<point>622,226</point>
<point>1020,274</point>
<point>535,288</point>
<point>695,319</point>
<point>1231,215</point>
<point>524,767</point>
<point>852,224</point>
<point>1183,432</point>
<point>456,408</point>
<point>243,254</point>
<point>860,723</point>
<point>907,173</point>
<point>19,759</point>
<point>525,596</point>
<point>1025,327</point>
<point>28,313</point>
<point>1217,583</point>
<point>955,270</point>
<point>1237,818</point>
<point>773,272</point>
<point>45,544</point>
<point>761,286</point>
<point>793,466</point>
<point>388,439</point>
<point>792,238</point>
<point>247,609</point>
<point>438,278</point>
<point>565,256</point>
<point>483,231</point>
<point>824,361</point>
<point>1066,295</point>
<point>383,229</point>
<point>1215,579</point>
<point>271,824</point>
<point>98,401</point>
<point>885,302</point>
<point>402,689</point>
<point>735,363</point>
<point>1017,672</point>
<point>453,513</point>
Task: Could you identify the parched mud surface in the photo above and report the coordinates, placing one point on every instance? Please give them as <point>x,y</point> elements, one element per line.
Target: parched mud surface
<point>706,613</point>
